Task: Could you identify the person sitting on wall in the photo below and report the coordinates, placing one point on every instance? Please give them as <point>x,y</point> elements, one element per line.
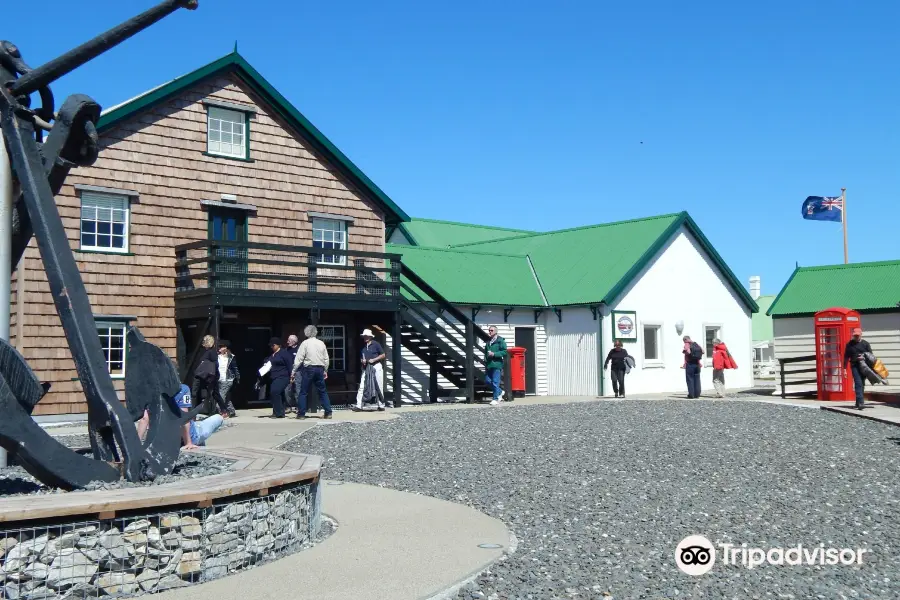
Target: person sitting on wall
<point>195,433</point>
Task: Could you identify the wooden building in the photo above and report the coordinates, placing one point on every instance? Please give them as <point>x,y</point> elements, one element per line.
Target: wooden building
<point>215,207</point>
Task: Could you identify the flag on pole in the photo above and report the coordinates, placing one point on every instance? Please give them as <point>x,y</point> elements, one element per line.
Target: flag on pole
<point>823,208</point>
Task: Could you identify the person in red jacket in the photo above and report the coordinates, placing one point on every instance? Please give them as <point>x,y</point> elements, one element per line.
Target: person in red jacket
<point>721,360</point>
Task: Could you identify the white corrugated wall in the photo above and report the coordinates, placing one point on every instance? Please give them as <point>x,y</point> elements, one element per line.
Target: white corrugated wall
<point>572,353</point>
<point>415,371</point>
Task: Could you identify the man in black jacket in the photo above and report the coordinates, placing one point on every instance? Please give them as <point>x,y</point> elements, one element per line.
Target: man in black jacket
<point>617,356</point>
<point>853,354</point>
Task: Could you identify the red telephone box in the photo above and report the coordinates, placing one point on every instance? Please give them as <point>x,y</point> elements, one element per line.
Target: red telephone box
<point>834,328</point>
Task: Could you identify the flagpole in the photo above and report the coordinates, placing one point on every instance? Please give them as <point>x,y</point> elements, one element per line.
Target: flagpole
<point>844,221</point>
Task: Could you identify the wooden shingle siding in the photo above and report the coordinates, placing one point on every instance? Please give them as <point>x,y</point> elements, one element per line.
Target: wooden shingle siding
<point>159,154</point>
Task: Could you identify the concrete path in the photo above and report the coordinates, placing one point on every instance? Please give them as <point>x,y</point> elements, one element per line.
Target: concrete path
<point>882,412</point>
<point>388,546</point>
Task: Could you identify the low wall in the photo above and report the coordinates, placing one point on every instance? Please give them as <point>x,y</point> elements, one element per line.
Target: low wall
<point>152,552</point>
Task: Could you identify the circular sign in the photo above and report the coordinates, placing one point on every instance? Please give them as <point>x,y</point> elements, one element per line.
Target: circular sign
<point>695,555</point>
<point>625,325</point>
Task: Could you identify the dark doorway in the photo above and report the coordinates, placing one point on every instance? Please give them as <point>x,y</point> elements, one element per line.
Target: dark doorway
<point>229,225</point>
<point>249,344</point>
<point>525,339</point>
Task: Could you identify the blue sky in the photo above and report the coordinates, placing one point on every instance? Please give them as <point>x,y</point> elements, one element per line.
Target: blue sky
<point>544,115</point>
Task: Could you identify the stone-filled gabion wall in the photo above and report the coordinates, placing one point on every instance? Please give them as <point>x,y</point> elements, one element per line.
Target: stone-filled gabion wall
<point>155,552</point>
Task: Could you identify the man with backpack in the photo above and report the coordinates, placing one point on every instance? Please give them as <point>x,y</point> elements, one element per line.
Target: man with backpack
<point>693,354</point>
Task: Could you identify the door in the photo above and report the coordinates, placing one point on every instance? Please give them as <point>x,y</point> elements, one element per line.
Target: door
<point>228,225</point>
<point>525,339</point>
<point>250,348</point>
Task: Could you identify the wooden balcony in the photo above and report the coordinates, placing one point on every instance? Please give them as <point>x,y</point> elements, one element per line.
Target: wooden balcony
<point>215,273</point>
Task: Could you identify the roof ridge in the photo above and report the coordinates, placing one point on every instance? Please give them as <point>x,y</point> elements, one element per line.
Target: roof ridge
<point>580,228</point>
<point>455,251</point>
<point>874,263</point>
<point>442,222</point>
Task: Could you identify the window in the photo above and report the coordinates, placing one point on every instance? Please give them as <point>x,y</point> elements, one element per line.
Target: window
<point>651,342</point>
<point>333,336</point>
<point>711,332</point>
<point>227,132</point>
<point>329,234</point>
<point>104,222</point>
<point>112,339</point>
<point>651,334</point>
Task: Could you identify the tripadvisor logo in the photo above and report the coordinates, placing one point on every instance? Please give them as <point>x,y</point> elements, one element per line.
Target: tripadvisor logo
<point>696,555</point>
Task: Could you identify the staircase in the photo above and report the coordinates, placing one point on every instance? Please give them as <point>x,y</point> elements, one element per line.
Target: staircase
<point>442,336</point>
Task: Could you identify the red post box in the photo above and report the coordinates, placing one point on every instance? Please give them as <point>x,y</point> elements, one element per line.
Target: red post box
<point>517,369</point>
<point>833,330</point>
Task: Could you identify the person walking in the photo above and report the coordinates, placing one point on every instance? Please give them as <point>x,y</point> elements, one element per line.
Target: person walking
<point>721,360</point>
<point>206,376</point>
<point>617,357</point>
<point>279,372</point>
<point>371,383</point>
<point>693,354</point>
<point>290,392</point>
<point>494,353</point>
<point>311,363</point>
<point>228,376</point>
<point>855,354</point>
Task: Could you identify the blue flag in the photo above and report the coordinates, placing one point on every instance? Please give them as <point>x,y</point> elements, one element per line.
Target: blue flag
<point>819,208</point>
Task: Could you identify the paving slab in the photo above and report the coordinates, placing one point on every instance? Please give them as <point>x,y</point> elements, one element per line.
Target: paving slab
<point>883,412</point>
<point>388,545</point>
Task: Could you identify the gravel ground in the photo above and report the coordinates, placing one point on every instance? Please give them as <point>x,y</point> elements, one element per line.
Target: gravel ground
<point>599,494</point>
<point>16,480</point>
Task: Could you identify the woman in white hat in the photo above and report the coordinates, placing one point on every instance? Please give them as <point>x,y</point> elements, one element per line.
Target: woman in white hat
<point>371,383</point>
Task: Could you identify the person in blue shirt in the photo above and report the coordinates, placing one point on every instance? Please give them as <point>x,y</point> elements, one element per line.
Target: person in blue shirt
<point>195,433</point>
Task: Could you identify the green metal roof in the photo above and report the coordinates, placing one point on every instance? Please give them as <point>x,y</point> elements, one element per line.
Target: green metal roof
<point>762,322</point>
<point>236,63</point>
<point>443,234</point>
<point>589,265</point>
<point>476,278</point>
<point>859,286</point>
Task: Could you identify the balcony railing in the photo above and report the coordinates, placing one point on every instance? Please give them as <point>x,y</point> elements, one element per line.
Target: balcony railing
<point>230,267</point>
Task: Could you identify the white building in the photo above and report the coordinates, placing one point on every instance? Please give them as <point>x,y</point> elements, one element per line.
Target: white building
<point>871,288</point>
<point>567,292</point>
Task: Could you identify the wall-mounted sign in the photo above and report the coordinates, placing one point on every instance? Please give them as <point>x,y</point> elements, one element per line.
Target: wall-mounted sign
<point>624,325</point>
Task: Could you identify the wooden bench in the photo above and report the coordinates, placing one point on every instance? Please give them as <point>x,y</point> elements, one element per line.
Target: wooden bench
<point>255,471</point>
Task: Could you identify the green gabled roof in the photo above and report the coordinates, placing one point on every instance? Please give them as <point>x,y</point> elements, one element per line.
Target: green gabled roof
<point>859,286</point>
<point>442,234</point>
<point>589,265</point>
<point>236,63</point>
<point>477,278</point>
<point>762,322</point>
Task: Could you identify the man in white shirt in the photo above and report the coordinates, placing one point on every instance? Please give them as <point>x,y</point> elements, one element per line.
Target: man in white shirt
<point>312,363</point>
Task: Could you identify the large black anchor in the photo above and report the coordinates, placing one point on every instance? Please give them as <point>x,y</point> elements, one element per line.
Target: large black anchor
<point>40,168</point>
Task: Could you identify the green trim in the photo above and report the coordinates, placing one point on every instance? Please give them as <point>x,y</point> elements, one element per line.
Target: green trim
<point>234,62</point>
<point>409,236</point>
<point>862,311</point>
<point>783,289</point>
<point>107,253</point>
<point>683,219</point>
<point>211,155</point>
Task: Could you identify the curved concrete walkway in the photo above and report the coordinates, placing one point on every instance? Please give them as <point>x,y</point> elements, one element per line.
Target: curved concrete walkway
<point>389,545</point>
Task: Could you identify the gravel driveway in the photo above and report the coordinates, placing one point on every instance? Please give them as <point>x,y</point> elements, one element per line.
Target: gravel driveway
<point>600,494</point>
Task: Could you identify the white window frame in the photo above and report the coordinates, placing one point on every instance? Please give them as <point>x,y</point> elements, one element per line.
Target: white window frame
<point>335,227</point>
<point>707,358</point>
<point>234,118</point>
<point>106,341</point>
<point>659,361</point>
<point>340,332</point>
<point>98,199</point>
